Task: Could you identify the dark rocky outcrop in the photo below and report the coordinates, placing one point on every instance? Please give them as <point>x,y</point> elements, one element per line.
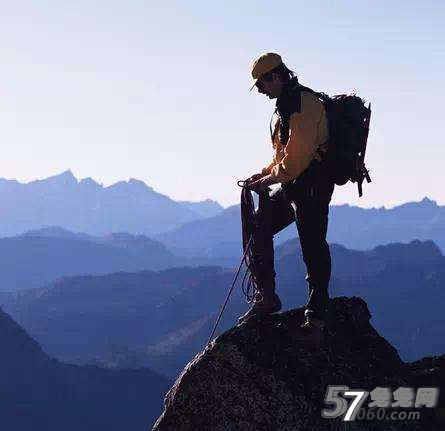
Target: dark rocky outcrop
<point>255,377</point>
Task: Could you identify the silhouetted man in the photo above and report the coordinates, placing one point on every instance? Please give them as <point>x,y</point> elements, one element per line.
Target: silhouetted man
<point>299,139</point>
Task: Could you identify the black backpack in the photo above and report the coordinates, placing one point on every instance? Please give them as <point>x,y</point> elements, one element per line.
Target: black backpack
<point>348,122</point>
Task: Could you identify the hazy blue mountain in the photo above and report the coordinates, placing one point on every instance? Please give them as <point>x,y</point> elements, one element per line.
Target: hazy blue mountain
<point>78,316</point>
<point>41,256</point>
<point>42,394</point>
<point>206,208</point>
<point>217,239</point>
<point>402,284</point>
<point>86,206</point>
<point>202,238</point>
<point>161,319</point>
<point>58,232</point>
<point>361,228</point>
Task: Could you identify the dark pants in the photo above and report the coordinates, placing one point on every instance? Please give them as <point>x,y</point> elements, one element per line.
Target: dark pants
<point>306,202</point>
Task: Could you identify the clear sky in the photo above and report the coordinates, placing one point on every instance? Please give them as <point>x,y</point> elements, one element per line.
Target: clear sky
<point>159,90</point>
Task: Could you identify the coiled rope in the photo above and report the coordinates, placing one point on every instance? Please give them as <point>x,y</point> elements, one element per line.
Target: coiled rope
<point>249,283</point>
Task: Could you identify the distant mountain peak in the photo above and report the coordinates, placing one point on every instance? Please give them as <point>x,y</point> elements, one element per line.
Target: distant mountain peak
<point>89,182</point>
<point>428,201</point>
<point>65,175</point>
<point>133,185</point>
<point>140,184</point>
<point>205,208</point>
<point>63,179</point>
<point>414,252</point>
<point>56,232</point>
<point>137,182</point>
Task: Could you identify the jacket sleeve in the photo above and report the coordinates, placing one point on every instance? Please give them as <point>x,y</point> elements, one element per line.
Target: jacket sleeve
<point>302,143</point>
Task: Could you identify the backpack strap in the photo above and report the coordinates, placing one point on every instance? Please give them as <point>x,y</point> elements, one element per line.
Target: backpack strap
<point>273,132</point>
<point>288,103</point>
<point>323,96</point>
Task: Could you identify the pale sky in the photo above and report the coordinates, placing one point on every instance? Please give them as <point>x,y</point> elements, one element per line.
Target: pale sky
<point>159,90</point>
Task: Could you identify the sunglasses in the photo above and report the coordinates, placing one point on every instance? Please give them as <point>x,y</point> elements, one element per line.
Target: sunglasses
<point>259,85</point>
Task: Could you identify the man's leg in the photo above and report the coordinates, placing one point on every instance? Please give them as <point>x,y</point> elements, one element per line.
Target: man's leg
<point>274,214</point>
<point>312,211</point>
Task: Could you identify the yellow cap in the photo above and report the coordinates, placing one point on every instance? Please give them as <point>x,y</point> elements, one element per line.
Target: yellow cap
<point>263,64</point>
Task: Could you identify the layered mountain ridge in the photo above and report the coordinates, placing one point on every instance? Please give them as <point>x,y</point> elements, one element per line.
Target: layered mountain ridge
<point>43,394</point>
<point>89,207</point>
<point>154,319</point>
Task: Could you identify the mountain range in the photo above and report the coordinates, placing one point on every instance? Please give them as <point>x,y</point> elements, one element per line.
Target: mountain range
<point>161,319</point>
<point>204,230</point>
<point>87,206</point>
<point>217,239</point>
<point>41,256</point>
<point>42,394</point>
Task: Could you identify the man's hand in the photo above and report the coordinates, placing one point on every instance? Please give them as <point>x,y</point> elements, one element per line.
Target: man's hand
<point>261,184</point>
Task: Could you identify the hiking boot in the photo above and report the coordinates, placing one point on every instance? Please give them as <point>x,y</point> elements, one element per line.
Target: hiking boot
<point>310,332</point>
<point>262,306</point>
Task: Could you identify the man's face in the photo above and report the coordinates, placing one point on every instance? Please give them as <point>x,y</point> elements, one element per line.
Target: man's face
<point>271,88</point>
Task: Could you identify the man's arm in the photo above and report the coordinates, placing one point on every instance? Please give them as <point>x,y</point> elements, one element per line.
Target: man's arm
<point>267,169</point>
<point>302,143</point>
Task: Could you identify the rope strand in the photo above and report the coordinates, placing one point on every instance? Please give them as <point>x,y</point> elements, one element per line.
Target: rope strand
<point>249,287</point>
<point>249,284</point>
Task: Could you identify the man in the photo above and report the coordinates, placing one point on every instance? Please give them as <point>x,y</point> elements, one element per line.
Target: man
<point>299,140</point>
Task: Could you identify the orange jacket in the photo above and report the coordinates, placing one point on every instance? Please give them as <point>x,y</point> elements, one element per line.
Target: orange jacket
<point>308,131</point>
